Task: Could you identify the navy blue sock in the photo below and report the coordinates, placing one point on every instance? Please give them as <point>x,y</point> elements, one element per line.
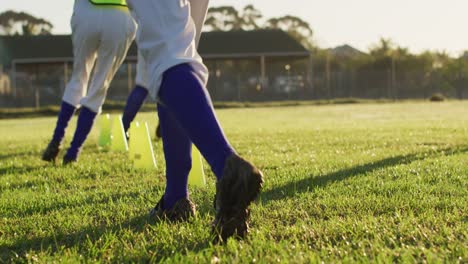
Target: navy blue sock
<point>134,102</point>
<point>83,127</point>
<point>66,113</point>
<point>183,94</point>
<point>177,152</point>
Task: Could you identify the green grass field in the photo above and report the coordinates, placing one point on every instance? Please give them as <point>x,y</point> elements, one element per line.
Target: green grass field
<point>352,183</point>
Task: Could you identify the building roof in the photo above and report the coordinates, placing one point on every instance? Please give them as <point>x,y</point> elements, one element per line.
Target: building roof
<point>233,44</point>
<point>241,43</point>
<point>346,51</point>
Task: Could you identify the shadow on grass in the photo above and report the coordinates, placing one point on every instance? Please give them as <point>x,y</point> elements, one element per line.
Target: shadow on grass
<point>16,170</point>
<point>81,240</point>
<point>78,240</point>
<point>20,186</point>
<point>62,240</point>
<point>293,188</point>
<point>27,154</point>
<point>19,170</point>
<point>61,205</point>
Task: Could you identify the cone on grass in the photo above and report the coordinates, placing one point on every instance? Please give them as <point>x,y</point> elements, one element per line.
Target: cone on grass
<point>197,175</point>
<point>119,140</point>
<point>141,148</point>
<point>104,140</point>
<point>132,132</point>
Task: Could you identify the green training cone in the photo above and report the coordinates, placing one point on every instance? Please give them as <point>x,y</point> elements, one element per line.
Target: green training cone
<point>197,175</point>
<point>141,148</point>
<point>119,140</point>
<point>104,140</point>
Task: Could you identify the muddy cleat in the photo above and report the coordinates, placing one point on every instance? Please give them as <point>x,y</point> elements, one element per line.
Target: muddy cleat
<point>51,152</point>
<point>182,210</point>
<point>240,185</point>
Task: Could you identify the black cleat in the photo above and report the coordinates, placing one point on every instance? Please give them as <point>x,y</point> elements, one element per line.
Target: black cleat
<point>239,187</point>
<point>158,131</point>
<point>182,210</point>
<point>51,152</point>
<point>67,160</point>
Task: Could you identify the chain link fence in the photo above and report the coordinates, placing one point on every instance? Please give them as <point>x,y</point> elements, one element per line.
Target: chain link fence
<point>42,84</point>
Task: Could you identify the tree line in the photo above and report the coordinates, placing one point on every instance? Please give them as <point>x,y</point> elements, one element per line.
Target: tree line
<point>385,70</point>
<point>21,23</point>
<point>388,70</point>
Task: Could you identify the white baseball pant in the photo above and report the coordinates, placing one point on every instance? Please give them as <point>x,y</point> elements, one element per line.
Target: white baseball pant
<point>168,34</point>
<point>198,11</point>
<point>101,37</point>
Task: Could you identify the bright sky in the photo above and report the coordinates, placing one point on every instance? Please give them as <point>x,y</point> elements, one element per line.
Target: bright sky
<point>416,24</point>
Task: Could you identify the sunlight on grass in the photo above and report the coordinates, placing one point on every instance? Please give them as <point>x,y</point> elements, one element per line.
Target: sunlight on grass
<point>369,182</point>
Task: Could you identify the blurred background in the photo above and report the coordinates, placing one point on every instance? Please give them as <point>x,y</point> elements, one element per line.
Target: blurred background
<point>253,56</point>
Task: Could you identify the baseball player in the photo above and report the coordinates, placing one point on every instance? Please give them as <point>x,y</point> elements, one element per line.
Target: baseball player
<point>177,77</point>
<point>102,32</point>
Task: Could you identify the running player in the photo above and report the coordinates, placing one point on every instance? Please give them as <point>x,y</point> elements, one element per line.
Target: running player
<point>177,77</point>
<point>102,32</point>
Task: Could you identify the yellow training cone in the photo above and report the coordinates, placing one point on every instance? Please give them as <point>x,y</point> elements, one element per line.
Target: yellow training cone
<point>197,175</point>
<point>104,140</point>
<point>119,140</point>
<point>141,148</point>
<point>132,132</point>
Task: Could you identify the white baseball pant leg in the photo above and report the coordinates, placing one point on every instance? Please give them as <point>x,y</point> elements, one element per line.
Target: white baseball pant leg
<point>198,12</point>
<point>85,40</point>
<point>167,37</point>
<point>141,78</point>
<point>107,33</point>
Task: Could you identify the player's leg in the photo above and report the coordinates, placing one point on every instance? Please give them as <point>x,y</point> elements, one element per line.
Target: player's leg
<point>138,95</point>
<point>239,182</point>
<point>112,50</point>
<point>85,44</point>
<point>184,96</point>
<point>175,204</point>
<point>167,42</point>
<point>166,36</point>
